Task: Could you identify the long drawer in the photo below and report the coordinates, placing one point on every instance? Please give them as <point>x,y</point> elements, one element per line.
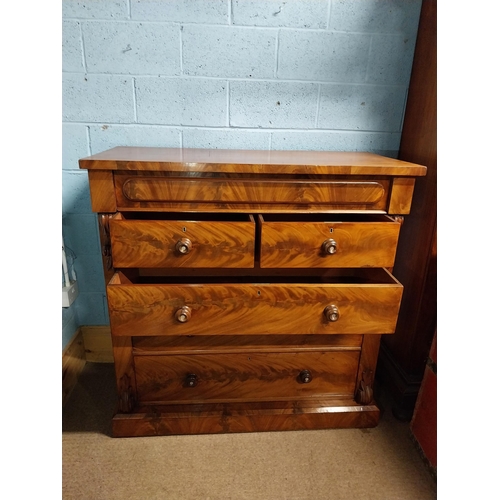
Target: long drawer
<point>140,191</point>
<point>245,376</point>
<point>326,241</point>
<point>358,302</point>
<point>171,240</point>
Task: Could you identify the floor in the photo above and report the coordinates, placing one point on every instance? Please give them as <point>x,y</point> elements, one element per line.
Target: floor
<point>351,464</point>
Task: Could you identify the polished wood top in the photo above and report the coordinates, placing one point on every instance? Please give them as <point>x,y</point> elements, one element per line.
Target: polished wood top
<point>249,162</point>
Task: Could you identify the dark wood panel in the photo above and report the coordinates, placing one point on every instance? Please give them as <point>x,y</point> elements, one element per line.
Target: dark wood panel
<point>125,375</point>
<point>245,377</point>
<point>366,369</point>
<point>404,354</point>
<point>246,417</point>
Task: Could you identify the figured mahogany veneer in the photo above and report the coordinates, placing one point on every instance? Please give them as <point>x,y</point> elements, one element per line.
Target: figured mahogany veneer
<point>248,290</point>
<point>210,418</point>
<point>253,308</point>
<point>305,242</point>
<point>174,192</point>
<point>245,377</point>
<point>182,243</point>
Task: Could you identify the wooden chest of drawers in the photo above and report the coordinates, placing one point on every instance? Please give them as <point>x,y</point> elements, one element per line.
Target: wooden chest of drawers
<point>247,290</point>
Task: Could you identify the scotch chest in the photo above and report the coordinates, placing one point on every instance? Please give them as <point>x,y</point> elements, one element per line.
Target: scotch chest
<point>247,290</point>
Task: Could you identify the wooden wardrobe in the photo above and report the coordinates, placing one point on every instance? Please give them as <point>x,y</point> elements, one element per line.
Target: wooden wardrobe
<point>403,356</point>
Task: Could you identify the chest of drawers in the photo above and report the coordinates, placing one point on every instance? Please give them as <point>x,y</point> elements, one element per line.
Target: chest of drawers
<point>247,290</point>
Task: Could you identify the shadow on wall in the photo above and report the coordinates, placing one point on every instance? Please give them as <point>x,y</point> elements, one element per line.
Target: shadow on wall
<point>81,236</point>
<point>76,193</point>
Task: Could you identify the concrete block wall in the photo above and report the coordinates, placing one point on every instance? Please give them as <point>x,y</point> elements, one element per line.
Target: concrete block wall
<point>237,74</point>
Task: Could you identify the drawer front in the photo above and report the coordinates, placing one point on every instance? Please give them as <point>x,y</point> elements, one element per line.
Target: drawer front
<point>254,309</point>
<point>170,243</point>
<point>201,192</point>
<point>311,244</point>
<point>251,376</point>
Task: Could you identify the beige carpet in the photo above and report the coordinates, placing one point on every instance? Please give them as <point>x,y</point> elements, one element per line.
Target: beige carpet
<point>352,464</point>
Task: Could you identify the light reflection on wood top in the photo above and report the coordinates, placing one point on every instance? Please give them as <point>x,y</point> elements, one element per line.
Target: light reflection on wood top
<point>249,161</point>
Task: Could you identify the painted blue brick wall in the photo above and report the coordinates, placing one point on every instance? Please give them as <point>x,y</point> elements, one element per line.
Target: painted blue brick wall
<point>254,74</point>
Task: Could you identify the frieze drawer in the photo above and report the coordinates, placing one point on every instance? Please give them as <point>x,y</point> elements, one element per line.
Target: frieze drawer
<point>204,192</point>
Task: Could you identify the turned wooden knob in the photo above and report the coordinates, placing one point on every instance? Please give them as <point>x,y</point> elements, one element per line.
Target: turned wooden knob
<point>183,246</point>
<point>329,246</point>
<point>191,380</point>
<point>183,315</point>
<point>305,376</point>
<point>332,313</point>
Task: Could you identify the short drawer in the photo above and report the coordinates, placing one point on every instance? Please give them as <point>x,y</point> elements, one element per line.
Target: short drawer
<point>166,240</point>
<point>356,302</point>
<point>324,241</point>
<point>245,376</point>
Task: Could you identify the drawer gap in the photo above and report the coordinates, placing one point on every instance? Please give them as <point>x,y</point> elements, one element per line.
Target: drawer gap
<point>299,399</point>
<point>325,217</point>
<point>331,276</point>
<point>183,216</point>
<point>267,350</point>
<point>248,343</point>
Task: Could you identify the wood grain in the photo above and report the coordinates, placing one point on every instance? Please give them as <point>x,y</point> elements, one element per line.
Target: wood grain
<point>105,243</point>
<point>366,369</point>
<point>243,312</point>
<point>244,377</point>
<point>101,186</point>
<point>152,243</point>
<point>135,191</point>
<point>246,161</point>
<point>401,195</point>
<point>299,244</point>
<point>327,413</point>
<point>262,308</point>
<point>124,370</point>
